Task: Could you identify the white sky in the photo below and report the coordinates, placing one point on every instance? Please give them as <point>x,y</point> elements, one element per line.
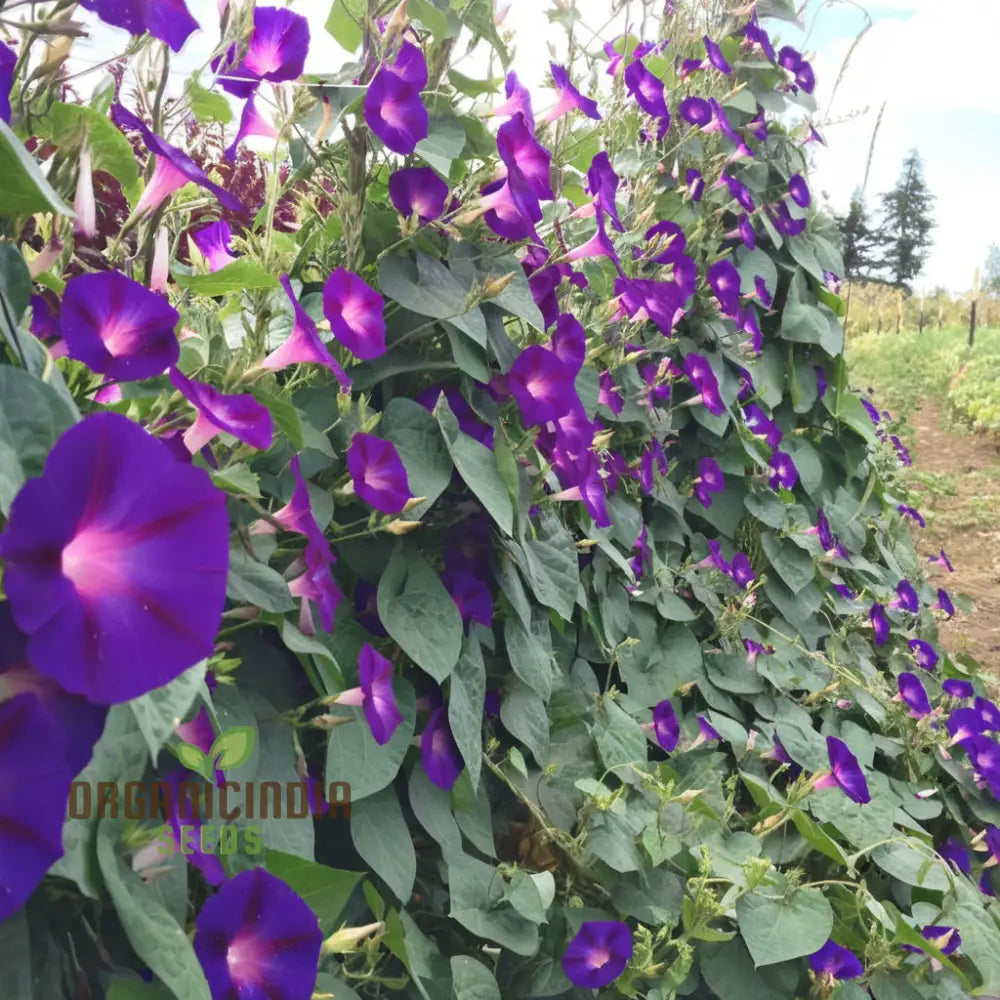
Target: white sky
<point>933,62</point>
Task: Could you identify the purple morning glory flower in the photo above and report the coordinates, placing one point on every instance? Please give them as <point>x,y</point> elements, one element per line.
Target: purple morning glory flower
<point>988,713</point>
<point>755,649</point>
<point>912,513</point>
<point>117,327</point>
<point>913,693</point>
<point>783,471</point>
<point>956,854</point>
<point>799,190</point>
<point>669,250</point>
<point>378,699</point>
<point>522,152</point>
<point>715,56</point>
<point>666,725</point>
<point>756,35</point>
<point>418,191</point>
<point>115,562</point>
<point>511,206</point>
<point>821,382</point>
<point>518,101</point>
<point>276,52</point>
<point>906,598</point>
<point>943,603</point>
<point>695,111</point>
<point>297,514</point>
<point>945,939</point>
<point>963,724</point>
<point>242,416</point>
<point>609,393</point>
<point>707,733</point>
<point>901,450</point>
<point>393,108</point>
<point>439,752</point>
<point>695,183</point>
<point>542,384</point>
<point>738,191</point>
<point>378,473</point>
<point>880,623</point>
<point>602,183</point>
<point>8,60</point>
<point>570,99</point>
<point>598,953</point>
<point>168,20</point>
<point>181,811</point>
<point>471,594</point>
<point>761,425</point>
<point>647,90</point>
<point>702,377</point>
<point>214,243</point>
<point>956,688</point>
<point>174,168</point>
<point>792,60</point>
<point>34,790</point>
<point>833,961</point>
<point>724,280</point>
<point>468,420</point>
<point>845,773</point>
<point>941,560</point>
<point>782,220</point>
<point>303,345</point>
<point>252,122</point>
<point>256,937</point>
<point>315,583</point>
<point>742,572</point>
<point>710,480</point>
<point>355,313</point>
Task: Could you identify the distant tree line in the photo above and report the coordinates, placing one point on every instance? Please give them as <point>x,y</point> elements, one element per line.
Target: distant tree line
<point>892,247</point>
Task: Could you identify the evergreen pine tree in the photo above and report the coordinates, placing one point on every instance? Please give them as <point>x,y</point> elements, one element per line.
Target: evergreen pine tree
<point>904,235</point>
<point>858,239</point>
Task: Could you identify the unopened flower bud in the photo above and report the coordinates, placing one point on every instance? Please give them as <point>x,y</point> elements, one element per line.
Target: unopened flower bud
<point>398,527</point>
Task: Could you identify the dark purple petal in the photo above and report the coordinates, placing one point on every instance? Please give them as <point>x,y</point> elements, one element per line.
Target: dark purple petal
<point>988,713</point>
<point>8,60</point>
<point>880,623</point>
<point>242,416</point>
<point>518,101</point>
<point>521,151</point>
<point>724,280</point>
<point>647,90</point>
<point>742,572</point>
<point>847,771</point>
<point>183,812</point>
<point>468,420</point>
<point>609,394</point>
<point>256,937</point>
<point>315,584</point>
<point>706,731</point>
<point>945,939</point>
<point>939,560</point>
<point>598,953</point>
<point>784,475</point>
<point>699,370</point>
<point>715,56</point>
<point>958,688</point>
<point>710,480</point>
<point>393,108</point>
<point>913,693</point>
<point>963,724</point>
<point>355,312</point>
<point>214,242</point>
<point>924,653</point>
<point>695,111</point>
<point>439,752</point>
<point>695,183</point>
<point>115,562</point>
<point>542,384</point>
<point>117,327</point>
<point>906,598</point>
<point>378,473</point>
<point>379,704</point>
<point>418,191</point>
<point>168,20</point>
<point>799,190</point>
<point>278,45</point>
<point>471,594</point>
<point>956,854</point>
<point>836,961</point>
<point>666,725</point>
<point>602,182</point>
<point>34,789</point>
<point>944,603</point>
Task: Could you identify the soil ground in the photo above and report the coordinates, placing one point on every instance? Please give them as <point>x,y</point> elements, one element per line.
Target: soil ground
<point>957,476</point>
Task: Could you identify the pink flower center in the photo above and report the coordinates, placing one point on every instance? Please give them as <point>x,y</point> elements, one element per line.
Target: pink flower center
<point>94,562</point>
<point>393,114</point>
<point>242,961</point>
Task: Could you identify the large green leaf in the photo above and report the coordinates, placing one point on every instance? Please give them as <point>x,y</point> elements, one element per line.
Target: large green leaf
<point>466,700</point>
<point>253,582</point>
<point>157,711</point>
<point>240,275</point>
<point>109,149</point>
<point>15,958</point>
<point>325,889</point>
<point>382,838</point>
<point>777,926</point>
<point>25,188</point>
<point>549,563</point>
<point>471,980</point>
<point>419,613</point>
<point>353,755</point>
<point>444,143</point>
<point>156,937</point>
<point>345,22</point>
<point>477,466</point>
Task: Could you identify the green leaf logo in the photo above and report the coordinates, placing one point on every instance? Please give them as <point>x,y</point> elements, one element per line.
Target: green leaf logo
<point>233,748</point>
<point>192,757</point>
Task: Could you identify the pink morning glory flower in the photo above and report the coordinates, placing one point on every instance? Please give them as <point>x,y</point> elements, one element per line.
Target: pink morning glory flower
<point>214,243</point>
<point>115,562</point>
<point>252,122</point>
<point>569,98</point>
<point>355,313</point>
<point>378,473</point>
<point>117,327</point>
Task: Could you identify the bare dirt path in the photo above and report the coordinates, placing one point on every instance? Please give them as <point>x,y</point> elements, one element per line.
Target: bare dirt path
<point>957,477</point>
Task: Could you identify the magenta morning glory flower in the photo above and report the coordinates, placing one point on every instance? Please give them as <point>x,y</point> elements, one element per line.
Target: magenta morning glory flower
<point>378,473</point>
<point>913,693</point>
<point>418,191</point>
<point>941,560</point>
<point>393,108</point>
<point>833,961</point>
<point>242,416</point>
<point>214,243</point>
<point>439,752</point>
<point>276,52</point>
<point>256,937</point>
<point>715,56</point>
<point>378,699</point>
<point>724,280</point>
<point>34,789</point>
<point>845,772</point>
<point>520,150</point>
<point>471,594</point>
<point>174,168</point>
<point>647,90</point>
<point>710,480</point>
<point>252,122</point>
<point>168,20</point>
<point>115,562</point>
<point>598,953</point>
<point>958,688</point>
<point>880,623</point>
<point>542,385</point>
<point>303,345</point>
<point>783,471</point>
<point>570,99</point>
<point>702,377</point>
<point>666,725</point>
<point>799,190</point>
<point>355,313</point>
<point>518,100</point>
<point>117,327</point>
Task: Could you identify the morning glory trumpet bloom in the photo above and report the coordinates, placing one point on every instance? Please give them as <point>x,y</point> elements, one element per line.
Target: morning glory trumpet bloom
<point>598,953</point>
<point>242,416</point>
<point>835,962</point>
<point>393,108</point>
<point>168,20</point>
<point>418,191</point>
<point>845,772</point>
<point>569,98</point>
<point>355,313</point>
<point>276,52</point>
<point>440,754</point>
<point>378,473</point>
